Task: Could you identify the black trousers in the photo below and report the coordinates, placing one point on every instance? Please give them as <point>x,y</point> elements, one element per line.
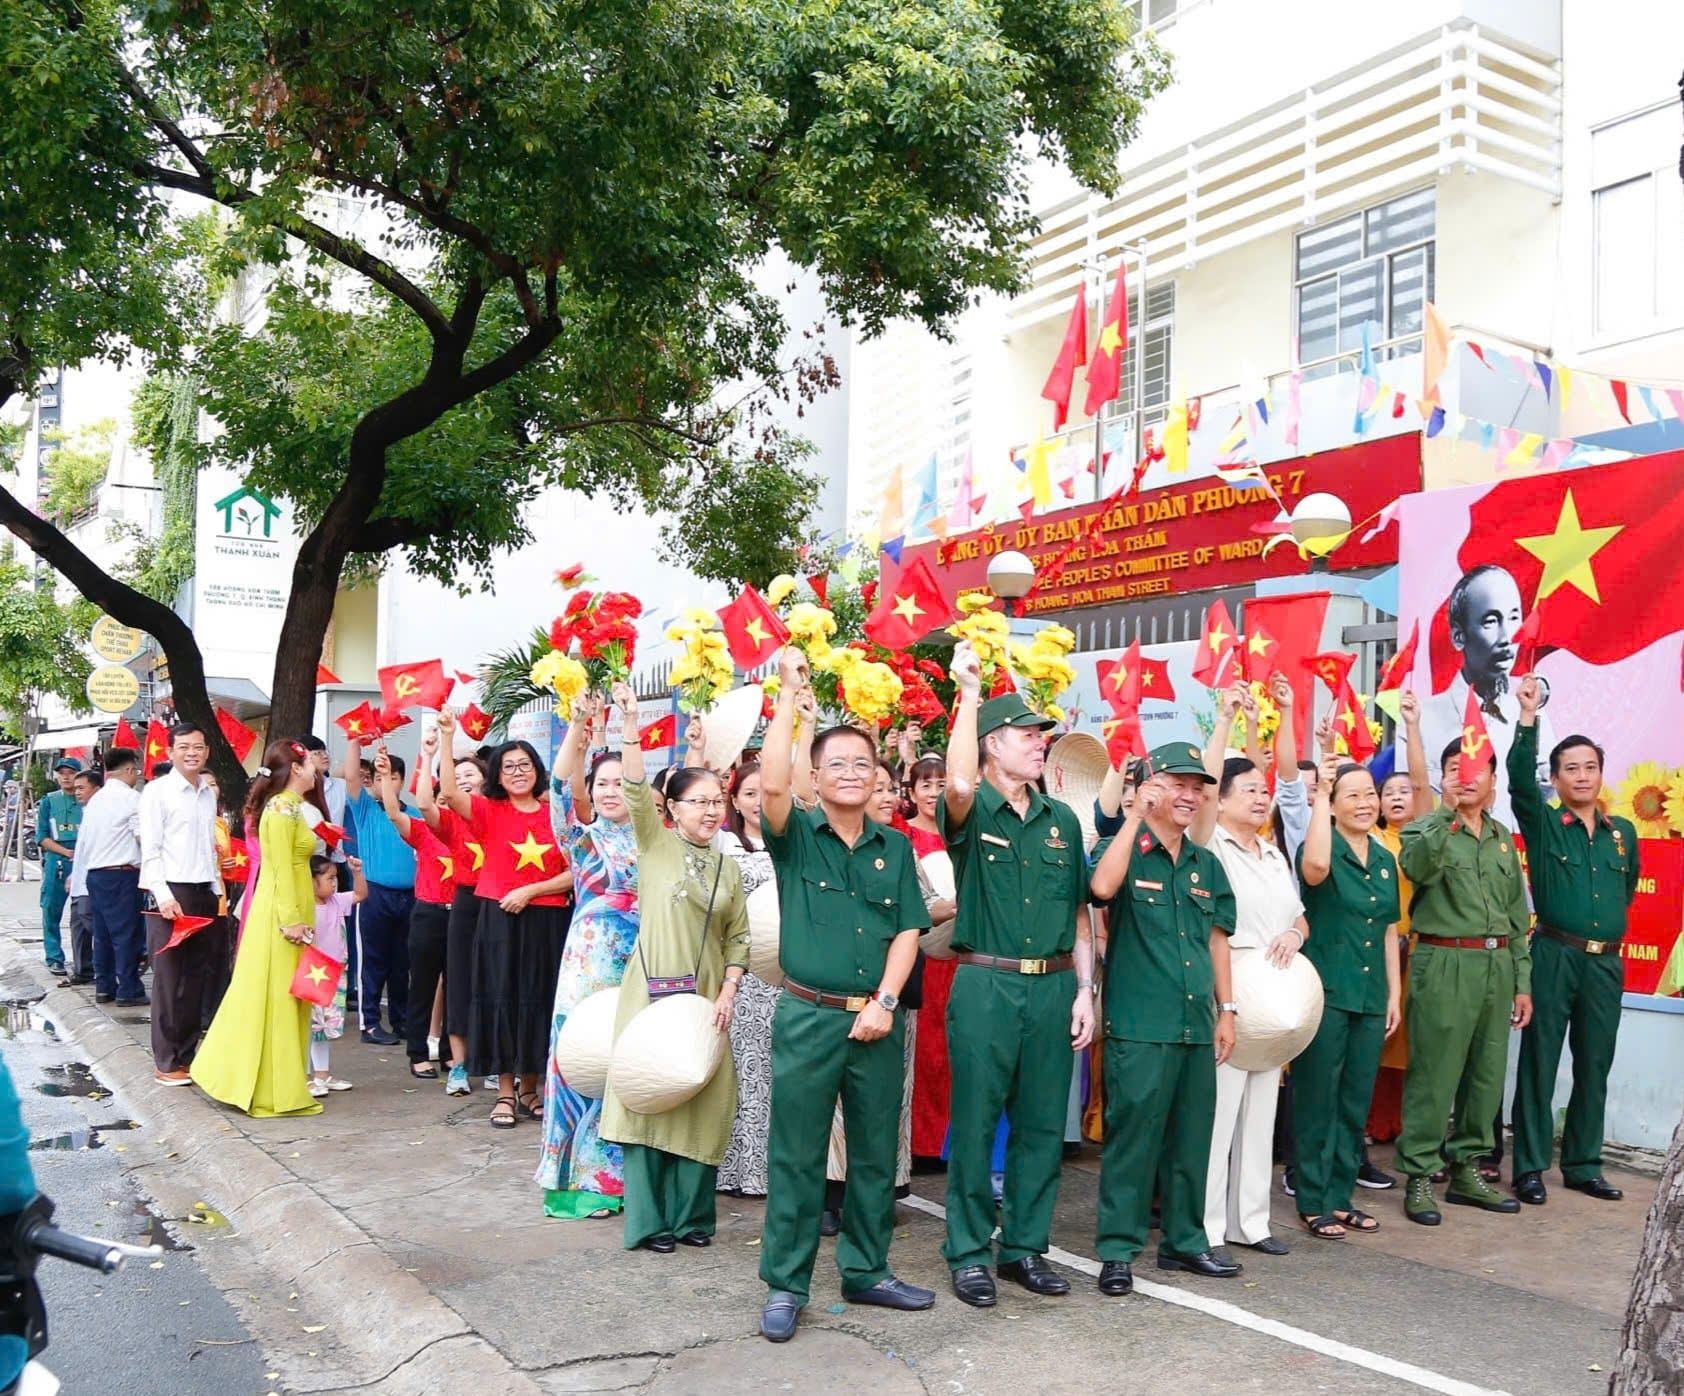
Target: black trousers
<point>187,979</point>
<point>428,933</point>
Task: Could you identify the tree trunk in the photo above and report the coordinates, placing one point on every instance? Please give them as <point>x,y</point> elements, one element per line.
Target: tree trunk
<point>292,696</point>
<point>1652,1341</point>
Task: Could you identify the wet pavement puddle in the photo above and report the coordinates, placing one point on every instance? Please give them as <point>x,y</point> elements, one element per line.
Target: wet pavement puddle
<point>72,1079</point>
<point>72,1140</point>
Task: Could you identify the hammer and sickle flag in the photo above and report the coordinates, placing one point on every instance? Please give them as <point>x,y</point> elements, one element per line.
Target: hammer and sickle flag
<point>1476,749</point>
<point>421,685</point>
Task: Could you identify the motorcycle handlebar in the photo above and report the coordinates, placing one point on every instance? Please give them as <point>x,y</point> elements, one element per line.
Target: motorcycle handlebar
<point>104,1256</point>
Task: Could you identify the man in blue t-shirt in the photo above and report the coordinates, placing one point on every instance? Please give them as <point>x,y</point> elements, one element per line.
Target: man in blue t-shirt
<point>383,918</point>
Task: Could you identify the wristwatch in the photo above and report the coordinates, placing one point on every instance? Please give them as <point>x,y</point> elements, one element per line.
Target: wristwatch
<point>888,1001</point>
<point>1229,1007</point>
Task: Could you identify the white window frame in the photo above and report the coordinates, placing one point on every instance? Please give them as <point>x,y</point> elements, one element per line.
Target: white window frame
<point>1667,296</point>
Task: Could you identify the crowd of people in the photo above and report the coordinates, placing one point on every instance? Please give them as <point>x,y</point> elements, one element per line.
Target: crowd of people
<point>967,977</point>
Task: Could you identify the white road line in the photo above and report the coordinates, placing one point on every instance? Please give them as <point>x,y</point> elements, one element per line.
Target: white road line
<point>1271,1328</point>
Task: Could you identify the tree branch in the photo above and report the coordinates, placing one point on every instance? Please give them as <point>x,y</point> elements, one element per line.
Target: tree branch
<point>172,132</point>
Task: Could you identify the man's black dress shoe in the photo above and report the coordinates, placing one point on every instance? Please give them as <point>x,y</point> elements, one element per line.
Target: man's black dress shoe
<point>105,998</point>
<point>141,1002</point>
<point>696,1238</point>
<point>891,1293</point>
<point>379,1037</point>
<point>973,1285</point>
<point>1035,1275</point>
<point>1115,1277</point>
<point>1204,1263</point>
<point>1269,1245</point>
<point>1529,1188</point>
<point>1599,1188</point>
<point>661,1245</point>
<point>830,1222</point>
<point>778,1315</point>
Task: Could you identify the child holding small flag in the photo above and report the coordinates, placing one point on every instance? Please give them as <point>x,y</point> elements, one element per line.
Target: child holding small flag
<point>333,908</point>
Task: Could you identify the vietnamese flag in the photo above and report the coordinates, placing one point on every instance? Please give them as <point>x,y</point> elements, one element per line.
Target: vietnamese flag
<point>1296,622</point>
<point>124,736</point>
<point>1350,725</point>
<point>325,675</point>
<point>659,735</point>
<point>1216,646</point>
<point>316,980</point>
<point>157,747</point>
<point>1526,645</point>
<point>391,719</point>
<point>181,928</point>
<point>474,721</point>
<point>239,736</point>
<point>1105,373</point>
<point>1261,649</point>
<point>1155,681</point>
<point>1074,351</point>
<point>1123,739</point>
<point>1120,680</point>
<point>911,610</point>
<point>1476,750</point>
<point>420,685</point>
<point>1401,664</point>
<point>753,632</point>
<point>360,724</point>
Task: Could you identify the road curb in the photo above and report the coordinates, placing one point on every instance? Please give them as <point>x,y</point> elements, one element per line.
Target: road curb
<point>394,1336</point>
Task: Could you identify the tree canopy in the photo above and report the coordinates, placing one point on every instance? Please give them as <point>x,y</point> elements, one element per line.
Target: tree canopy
<point>471,249</point>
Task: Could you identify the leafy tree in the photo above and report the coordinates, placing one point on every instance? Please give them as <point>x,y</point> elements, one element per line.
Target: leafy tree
<point>76,469</point>
<point>512,245</point>
<point>40,645</point>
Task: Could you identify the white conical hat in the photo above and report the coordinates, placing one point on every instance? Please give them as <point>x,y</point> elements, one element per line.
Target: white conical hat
<point>1279,1009</point>
<point>763,923</point>
<point>585,1044</point>
<point>729,724</point>
<point>1076,766</point>
<point>667,1053</point>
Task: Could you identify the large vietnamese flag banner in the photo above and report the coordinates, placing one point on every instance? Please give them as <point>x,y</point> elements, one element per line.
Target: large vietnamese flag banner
<point>1600,553</point>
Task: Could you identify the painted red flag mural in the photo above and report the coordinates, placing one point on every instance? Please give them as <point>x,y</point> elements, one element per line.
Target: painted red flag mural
<point>360,724</point>
<point>239,736</point>
<point>1475,750</point>
<point>124,736</point>
<point>157,747</point>
<point>474,721</point>
<point>660,734</point>
<point>1262,652</point>
<point>1217,643</point>
<point>1073,352</point>
<point>753,632</point>
<point>420,685</point>
<point>1105,372</point>
<point>910,610</point>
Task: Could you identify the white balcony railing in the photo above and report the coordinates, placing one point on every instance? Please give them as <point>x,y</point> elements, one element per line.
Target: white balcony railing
<point>1457,96</point>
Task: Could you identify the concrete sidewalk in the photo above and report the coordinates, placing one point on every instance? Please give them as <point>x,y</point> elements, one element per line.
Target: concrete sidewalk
<point>397,1243</point>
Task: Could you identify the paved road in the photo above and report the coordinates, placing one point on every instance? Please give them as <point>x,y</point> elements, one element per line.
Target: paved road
<point>145,1331</point>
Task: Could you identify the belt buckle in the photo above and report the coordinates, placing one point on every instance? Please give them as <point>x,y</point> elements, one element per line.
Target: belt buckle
<point>856,1002</point>
<point>1490,942</point>
<point>1596,947</point>
<point>1031,966</point>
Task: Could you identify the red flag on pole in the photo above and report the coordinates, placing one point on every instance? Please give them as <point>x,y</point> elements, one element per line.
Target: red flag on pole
<point>1526,645</point>
<point>1105,372</point>
<point>157,747</point>
<point>911,610</point>
<point>124,736</point>
<point>1401,664</point>
<point>1476,748</point>
<point>391,719</point>
<point>1123,738</point>
<point>1333,669</point>
<point>239,736</point>
<point>1072,352</point>
<point>752,629</point>
<point>419,685</point>
<point>659,735</point>
<point>1350,725</point>
<point>360,724</point>
<point>1296,621</point>
<point>1216,646</point>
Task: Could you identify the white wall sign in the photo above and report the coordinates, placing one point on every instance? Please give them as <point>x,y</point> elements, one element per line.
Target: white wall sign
<point>244,550</point>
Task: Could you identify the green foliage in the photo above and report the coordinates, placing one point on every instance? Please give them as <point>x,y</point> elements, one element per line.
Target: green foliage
<point>12,435</point>
<point>743,525</point>
<point>40,644</point>
<point>506,680</point>
<point>77,469</point>
<point>165,413</point>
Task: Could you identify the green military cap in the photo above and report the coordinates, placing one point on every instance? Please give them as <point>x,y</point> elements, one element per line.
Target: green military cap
<point>1008,710</point>
<point>1173,759</point>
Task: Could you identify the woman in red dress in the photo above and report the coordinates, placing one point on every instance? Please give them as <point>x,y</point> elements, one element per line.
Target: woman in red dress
<point>930,1077</point>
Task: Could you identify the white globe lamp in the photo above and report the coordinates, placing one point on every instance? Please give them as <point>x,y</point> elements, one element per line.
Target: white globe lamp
<point>1320,523</point>
<point>1010,575</point>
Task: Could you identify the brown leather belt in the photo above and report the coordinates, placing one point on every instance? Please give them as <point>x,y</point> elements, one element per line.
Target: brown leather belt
<point>1590,947</point>
<point>1049,966</point>
<point>1465,942</point>
<point>852,1002</point>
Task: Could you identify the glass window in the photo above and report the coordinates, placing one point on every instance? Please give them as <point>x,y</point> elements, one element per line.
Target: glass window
<point>1155,340</point>
<point>1371,267</point>
<point>1624,230</point>
<point>1150,12</point>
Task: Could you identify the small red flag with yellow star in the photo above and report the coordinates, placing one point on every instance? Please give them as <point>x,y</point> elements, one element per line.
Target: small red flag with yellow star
<point>317,978</point>
<point>1217,643</point>
<point>474,721</point>
<point>157,747</point>
<point>909,610</point>
<point>360,724</point>
<point>753,632</point>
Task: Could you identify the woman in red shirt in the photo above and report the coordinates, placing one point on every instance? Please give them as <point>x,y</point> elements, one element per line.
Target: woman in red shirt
<point>931,1078</point>
<point>523,914</point>
<point>467,857</point>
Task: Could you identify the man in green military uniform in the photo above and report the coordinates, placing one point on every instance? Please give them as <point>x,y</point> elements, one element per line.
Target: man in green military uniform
<point>851,912</point>
<point>1169,1019</point>
<point>1022,998</point>
<point>57,819</point>
<point>1470,978</point>
<point>1583,869</point>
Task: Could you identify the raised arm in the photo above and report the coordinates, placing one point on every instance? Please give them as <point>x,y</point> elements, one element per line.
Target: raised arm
<point>570,764</point>
<point>962,750</point>
<point>1253,735</point>
<point>1286,735</point>
<point>1421,855</point>
<point>1316,856</point>
<point>631,734</point>
<point>1415,753</point>
<point>1107,879</point>
<point>387,785</point>
<point>1524,799</point>
<point>777,752</point>
<point>802,781</point>
<point>352,770</point>
<point>1231,700</point>
<point>458,800</point>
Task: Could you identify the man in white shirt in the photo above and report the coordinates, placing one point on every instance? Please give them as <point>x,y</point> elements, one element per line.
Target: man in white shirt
<point>84,788</point>
<point>179,866</point>
<point>112,869</point>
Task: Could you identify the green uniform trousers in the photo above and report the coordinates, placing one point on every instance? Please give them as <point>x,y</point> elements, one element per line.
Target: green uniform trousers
<point>55,892</point>
<point>1332,1085</point>
<point>813,1061</point>
<point>1577,997</point>
<point>1459,1007</point>
<point>666,1194</point>
<point>1160,1106</point>
<point>1008,1046</point>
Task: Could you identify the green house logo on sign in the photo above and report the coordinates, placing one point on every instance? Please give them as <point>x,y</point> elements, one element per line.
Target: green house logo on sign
<point>248,514</point>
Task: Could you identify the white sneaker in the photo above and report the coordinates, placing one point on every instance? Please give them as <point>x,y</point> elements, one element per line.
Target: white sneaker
<point>334,1083</point>
<point>318,1087</point>
<point>491,1083</point>
<point>432,1049</point>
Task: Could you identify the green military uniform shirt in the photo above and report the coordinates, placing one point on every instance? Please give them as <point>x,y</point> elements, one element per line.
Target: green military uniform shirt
<point>839,906</point>
<point>1349,912</point>
<point>1020,880</point>
<point>1467,887</point>
<point>1582,880</point>
<point>1159,985</point>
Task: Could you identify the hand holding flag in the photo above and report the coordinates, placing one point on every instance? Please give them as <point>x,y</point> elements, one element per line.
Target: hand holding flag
<point>1475,751</point>
<point>753,631</point>
<point>419,685</point>
<point>360,724</point>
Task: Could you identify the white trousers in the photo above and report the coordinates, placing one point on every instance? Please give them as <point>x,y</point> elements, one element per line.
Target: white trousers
<point>1242,1145</point>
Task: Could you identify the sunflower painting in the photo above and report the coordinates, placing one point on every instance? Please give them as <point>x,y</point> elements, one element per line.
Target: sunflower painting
<point>1675,802</point>
<point>1642,798</point>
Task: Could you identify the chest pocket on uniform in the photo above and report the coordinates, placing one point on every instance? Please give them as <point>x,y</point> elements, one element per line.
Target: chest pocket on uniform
<point>879,903</point>
<point>1573,856</point>
<point>1055,872</point>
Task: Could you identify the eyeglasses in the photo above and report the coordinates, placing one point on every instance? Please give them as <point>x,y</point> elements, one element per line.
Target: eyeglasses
<point>518,768</point>
<point>715,804</point>
<point>861,767</point>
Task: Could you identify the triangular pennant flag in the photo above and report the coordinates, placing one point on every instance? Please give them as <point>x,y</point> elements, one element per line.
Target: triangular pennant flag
<point>1647,393</point>
<point>325,675</point>
<point>820,583</point>
<point>1545,374</point>
<point>1618,387</point>
<point>239,736</point>
<point>1435,355</point>
<point>893,547</point>
<point>124,736</point>
<point>1435,423</point>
